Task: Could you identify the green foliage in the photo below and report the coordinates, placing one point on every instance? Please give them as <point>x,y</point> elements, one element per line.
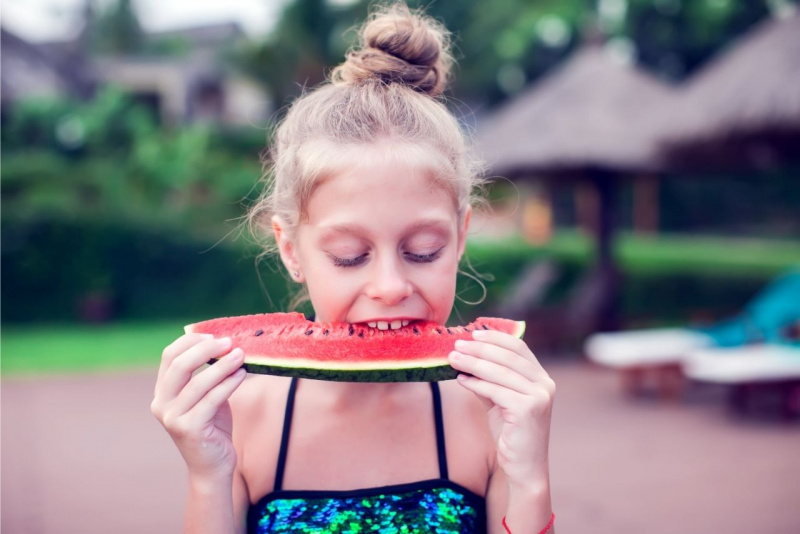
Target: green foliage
<point>504,44</point>
<point>108,159</point>
<point>63,271</point>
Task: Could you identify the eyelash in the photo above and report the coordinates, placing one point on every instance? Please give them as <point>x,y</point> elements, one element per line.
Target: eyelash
<point>416,258</point>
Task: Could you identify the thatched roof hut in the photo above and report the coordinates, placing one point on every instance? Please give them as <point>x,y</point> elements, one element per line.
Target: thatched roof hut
<point>743,109</point>
<point>591,113</point>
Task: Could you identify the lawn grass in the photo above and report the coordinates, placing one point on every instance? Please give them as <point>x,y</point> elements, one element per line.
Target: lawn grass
<point>51,349</point>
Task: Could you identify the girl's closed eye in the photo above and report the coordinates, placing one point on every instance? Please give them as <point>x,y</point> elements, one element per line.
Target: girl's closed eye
<point>424,257</point>
<point>351,261</point>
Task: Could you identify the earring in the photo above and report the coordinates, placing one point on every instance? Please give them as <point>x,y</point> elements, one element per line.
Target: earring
<point>296,274</point>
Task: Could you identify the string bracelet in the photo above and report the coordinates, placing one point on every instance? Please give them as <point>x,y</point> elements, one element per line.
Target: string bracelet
<point>545,531</point>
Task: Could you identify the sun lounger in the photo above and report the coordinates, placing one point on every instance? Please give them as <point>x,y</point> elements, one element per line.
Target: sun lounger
<point>753,372</point>
<point>659,353</point>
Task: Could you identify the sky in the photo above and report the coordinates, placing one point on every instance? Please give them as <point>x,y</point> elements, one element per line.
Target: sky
<point>49,20</point>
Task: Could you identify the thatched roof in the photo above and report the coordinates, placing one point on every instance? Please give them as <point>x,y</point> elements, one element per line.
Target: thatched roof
<point>590,113</point>
<point>744,106</point>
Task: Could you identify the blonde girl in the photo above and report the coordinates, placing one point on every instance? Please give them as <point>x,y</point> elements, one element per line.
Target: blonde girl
<point>369,207</point>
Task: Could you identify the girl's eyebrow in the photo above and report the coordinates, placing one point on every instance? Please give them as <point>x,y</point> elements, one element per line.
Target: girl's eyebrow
<point>442,226</point>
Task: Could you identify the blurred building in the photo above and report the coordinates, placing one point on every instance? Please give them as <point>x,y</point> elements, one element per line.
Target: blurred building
<point>195,85</point>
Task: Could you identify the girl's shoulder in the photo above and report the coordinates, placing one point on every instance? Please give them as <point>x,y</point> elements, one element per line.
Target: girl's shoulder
<point>259,396</point>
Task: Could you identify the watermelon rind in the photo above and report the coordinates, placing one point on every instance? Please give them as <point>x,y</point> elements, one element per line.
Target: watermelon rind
<point>414,374</point>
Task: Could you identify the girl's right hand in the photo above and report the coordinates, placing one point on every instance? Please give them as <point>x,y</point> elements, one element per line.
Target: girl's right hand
<point>194,408</point>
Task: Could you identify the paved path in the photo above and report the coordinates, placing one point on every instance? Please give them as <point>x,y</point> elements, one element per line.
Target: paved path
<point>82,454</point>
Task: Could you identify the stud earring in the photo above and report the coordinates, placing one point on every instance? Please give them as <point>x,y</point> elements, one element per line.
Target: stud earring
<point>296,274</point>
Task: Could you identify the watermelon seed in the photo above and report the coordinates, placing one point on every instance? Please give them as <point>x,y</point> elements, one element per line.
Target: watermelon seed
<point>449,331</point>
<point>259,332</point>
<point>484,327</point>
<point>361,335</point>
<point>309,332</point>
<point>439,331</point>
<point>325,332</point>
<point>467,329</point>
<point>351,330</point>
<point>416,331</point>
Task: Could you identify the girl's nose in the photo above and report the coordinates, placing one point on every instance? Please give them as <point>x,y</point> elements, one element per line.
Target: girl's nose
<point>389,283</point>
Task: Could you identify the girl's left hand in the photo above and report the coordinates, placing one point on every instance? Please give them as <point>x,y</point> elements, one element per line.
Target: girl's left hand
<point>518,396</point>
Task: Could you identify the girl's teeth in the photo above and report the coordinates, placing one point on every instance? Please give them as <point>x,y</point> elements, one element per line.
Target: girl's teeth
<point>396,324</point>
<point>373,324</point>
<point>383,325</point>
<point>405,323</point>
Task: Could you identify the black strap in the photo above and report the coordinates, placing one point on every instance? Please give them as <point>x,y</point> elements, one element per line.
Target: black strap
<point>437,415</point>
<point>287,425</point>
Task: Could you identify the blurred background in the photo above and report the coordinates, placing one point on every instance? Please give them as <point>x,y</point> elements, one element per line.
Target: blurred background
<point>646,156</point>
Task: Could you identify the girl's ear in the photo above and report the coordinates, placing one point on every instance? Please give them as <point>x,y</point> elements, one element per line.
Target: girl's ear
<point>287,249</point>
<point>462,232</point>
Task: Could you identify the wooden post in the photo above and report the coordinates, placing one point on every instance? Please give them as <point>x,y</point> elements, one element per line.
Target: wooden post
<point>645,204</point>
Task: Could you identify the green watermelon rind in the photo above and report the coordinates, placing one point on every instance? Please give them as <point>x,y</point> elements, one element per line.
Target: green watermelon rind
<point>412,374</point>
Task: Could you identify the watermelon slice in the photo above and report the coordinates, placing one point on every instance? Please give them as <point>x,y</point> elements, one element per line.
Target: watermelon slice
<point>287,344</point>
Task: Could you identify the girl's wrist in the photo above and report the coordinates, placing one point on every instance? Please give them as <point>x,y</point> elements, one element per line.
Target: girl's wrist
<point>209,485</point>
<point>529,507</point>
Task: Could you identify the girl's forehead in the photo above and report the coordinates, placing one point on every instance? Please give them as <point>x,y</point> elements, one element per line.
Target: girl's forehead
<point>384,193</point>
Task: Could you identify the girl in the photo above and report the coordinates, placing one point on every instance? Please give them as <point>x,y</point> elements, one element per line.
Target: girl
<point>369,208</point>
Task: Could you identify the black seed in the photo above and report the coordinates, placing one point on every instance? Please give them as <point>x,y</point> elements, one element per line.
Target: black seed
<point>325,332</point>
<point>259,332</point>
<point>361,335</point>
<point>416,330</point>
<point>439,331</point>
<point>467,329</point>
<point>351,330</point>
<point>309,332</point>
<point>484,327</point>
<point>449,331</point>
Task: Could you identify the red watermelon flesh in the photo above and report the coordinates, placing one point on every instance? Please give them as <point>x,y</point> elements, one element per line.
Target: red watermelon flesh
<point>288,344</point>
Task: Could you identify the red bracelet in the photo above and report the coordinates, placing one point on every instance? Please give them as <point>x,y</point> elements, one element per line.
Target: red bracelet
<point>546,529</point>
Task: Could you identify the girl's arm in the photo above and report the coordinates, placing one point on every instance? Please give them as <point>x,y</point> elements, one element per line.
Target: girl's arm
<point>524,509</point>
<point>192,405</point>
<point>212,507</point>
<point>517,394</point>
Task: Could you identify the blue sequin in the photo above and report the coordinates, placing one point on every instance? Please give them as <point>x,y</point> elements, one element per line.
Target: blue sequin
<point>436,509</point>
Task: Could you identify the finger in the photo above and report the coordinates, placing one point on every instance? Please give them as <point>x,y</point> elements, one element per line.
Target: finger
<point>499,355</point>
<point>491,394</point>
<point>185,364</point>
<point>207,407</point>
<point>202,383</point>
<point>508,342</point>
<point>182,344</point>
<point>490,372</point>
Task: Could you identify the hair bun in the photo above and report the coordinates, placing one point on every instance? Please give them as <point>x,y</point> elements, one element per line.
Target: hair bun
<point>399,46</point>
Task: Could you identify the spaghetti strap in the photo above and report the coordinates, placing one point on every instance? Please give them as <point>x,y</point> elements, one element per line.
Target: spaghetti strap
<point>287,426</point>
<point>437,415</point>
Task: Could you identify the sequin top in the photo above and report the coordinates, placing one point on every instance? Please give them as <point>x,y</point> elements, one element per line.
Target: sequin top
<point>436,505</point>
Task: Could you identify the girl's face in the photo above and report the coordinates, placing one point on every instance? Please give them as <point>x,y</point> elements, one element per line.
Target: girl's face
<point>380,245</point>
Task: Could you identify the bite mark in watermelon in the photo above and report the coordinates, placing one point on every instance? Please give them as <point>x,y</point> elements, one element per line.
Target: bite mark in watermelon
<point>287,344</point>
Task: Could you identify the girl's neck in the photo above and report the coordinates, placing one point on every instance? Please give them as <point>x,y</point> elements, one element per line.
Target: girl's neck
<point>354,395</point>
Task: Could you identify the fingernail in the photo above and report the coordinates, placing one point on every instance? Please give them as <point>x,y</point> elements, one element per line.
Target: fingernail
<point>207,336</point>
<point>224,342</point>
<point>236,354</point>
<point>461,344</point>
<point>455,355</point>
<point>478,334</point>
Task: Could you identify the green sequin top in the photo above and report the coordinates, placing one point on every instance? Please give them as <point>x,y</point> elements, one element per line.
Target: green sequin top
<point>437,505</point>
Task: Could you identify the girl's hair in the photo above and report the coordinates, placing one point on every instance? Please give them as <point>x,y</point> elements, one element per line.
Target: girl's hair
<point>386,93</point>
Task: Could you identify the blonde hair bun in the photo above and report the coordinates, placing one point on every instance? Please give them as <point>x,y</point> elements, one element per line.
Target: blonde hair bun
<point>397,45</point>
